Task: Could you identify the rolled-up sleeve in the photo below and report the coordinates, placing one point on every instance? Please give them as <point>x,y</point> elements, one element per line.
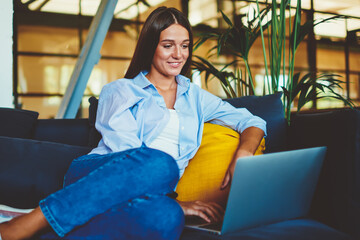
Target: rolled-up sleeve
<point>115,121</point>
<point>223,113</point>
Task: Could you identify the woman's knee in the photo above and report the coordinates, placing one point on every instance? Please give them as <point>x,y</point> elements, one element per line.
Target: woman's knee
<point>163,165</point>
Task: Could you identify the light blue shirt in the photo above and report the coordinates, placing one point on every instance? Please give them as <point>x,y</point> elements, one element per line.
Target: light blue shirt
<point>132,112</point>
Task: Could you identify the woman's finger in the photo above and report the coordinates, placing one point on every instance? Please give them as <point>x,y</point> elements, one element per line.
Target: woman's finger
<point>219,208</point>
<point>216,211</point>
<point>212,210</point>
<point>203,215</point>
<point>226,180</point>
<point>197,210</point>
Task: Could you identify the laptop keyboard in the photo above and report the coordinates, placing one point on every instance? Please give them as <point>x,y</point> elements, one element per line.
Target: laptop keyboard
<point>199,222</point>
<point>213,226</point>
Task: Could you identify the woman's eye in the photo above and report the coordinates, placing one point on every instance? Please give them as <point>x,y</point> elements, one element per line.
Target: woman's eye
<point>185,46</point>
<point>167,46</point>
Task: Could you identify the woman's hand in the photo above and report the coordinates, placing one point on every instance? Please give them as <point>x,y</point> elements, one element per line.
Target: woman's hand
<point>249,141</point>
<point>228,176</point>
<point>230,171</point>
<point>210,212</point>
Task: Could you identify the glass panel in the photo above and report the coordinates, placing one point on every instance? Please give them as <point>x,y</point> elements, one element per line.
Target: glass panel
<point>354,59</point>
<point>203,11</point>
<point>168,3</point>
<point>353,24</point>
<point>50,75</point>
<point>60,6</point>
<point>116,43</point>
<point>335,6</point>
<point>44,74</point>
<point>305,4</point>
<point>48,39</point>
<point>128,9</point>
<point>354,65</point>
<point>124,9</point>
<point>331,102</point>
<point>104,72</point>
<point>301,57</point>
<point>89,7</point>
<point>53,79</point>
<point>46,106</point>
<point>256,55</point>
<point>334,28</point>
<point>119,44</point>
<point>330,59</point>
<point>354,87</point>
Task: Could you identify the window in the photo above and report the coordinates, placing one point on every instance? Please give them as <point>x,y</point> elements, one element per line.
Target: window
<point>51,33</point>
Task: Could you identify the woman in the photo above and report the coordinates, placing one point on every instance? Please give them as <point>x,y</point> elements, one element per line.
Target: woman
<point>119,189</point>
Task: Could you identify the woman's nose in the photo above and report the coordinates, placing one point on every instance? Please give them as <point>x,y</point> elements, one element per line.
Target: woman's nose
<point>177,52</point>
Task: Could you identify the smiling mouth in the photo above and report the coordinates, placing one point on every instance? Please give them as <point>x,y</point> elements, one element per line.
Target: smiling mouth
<point>175,64</point>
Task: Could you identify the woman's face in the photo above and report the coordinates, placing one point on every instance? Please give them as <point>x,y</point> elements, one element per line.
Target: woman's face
<point>171,52</point>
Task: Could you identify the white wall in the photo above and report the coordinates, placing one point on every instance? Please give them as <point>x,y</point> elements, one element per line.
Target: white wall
<point>6,60</point>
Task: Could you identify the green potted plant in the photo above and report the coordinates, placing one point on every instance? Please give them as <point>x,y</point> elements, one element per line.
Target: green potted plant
<point>238,39</point>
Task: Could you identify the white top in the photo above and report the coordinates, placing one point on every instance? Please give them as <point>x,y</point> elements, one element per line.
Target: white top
<point>168,139</point>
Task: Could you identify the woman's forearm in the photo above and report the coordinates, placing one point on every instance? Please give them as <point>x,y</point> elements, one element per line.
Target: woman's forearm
<point>249,141</point>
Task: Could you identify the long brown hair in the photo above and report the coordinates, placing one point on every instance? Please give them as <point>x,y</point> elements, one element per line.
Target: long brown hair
<point>160,19</point>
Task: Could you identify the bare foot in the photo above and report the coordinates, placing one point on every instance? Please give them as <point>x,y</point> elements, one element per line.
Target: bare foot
<point>25,226</point>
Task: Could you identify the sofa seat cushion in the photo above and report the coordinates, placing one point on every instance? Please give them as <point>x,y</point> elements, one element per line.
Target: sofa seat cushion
<point>17,123</point>
<point>297,229</point>
<point>30,170</point>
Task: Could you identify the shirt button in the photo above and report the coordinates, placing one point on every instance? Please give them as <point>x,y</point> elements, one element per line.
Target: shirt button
<point>182,128</point>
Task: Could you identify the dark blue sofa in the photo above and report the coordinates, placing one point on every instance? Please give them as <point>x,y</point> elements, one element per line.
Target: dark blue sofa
<point>35,154</point>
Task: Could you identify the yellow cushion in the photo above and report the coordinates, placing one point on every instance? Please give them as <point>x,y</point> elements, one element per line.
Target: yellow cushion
<point>204,174</point>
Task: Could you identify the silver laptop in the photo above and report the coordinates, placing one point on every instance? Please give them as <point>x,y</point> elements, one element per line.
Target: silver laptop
<point>269,188</point>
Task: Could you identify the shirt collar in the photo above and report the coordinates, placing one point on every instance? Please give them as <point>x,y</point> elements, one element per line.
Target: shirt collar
<point>141,81</point>
<point>183,84</point>
<point>182,81</point>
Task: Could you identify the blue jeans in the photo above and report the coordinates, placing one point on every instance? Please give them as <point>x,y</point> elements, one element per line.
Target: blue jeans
<point>117,196</point>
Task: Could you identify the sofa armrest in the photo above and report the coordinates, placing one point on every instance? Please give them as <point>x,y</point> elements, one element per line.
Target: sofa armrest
<point>30,170</point>
<point>337,198</point>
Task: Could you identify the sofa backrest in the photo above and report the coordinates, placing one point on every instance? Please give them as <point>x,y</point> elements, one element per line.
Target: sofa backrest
<point>17,123</point>
<point>268,107</point>
<point>67,131</point>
